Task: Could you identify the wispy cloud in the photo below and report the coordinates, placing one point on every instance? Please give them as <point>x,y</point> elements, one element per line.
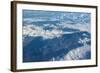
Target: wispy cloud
<point>81,27</point>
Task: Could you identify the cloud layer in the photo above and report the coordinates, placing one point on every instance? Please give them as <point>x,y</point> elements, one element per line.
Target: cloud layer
<point>34,31</point>
<point>55,31</point>
<point>51,24</point>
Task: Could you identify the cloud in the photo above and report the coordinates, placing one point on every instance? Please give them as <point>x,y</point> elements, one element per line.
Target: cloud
<point>55,30</point>
<point>34,31</point>
<point>30,20</point>
<point>81,27</point>
<point>77,53</point>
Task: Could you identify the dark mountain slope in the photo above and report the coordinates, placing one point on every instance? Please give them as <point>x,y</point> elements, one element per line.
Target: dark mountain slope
<point>44,50</point>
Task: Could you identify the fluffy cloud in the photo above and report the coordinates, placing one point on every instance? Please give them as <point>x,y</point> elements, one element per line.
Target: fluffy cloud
<point>34,31</point>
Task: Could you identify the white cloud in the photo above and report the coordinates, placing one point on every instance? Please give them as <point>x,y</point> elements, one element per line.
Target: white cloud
<point>77,53</point>
<point>34,31</point>
<point>33,19</point>
<point>84,41</point>
<point>81,27</point>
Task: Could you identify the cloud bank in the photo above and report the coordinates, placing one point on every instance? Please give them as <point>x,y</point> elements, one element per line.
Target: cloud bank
<point>34,31</point>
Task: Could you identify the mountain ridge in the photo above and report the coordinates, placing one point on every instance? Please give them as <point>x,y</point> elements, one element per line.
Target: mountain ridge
<point>40,49</point>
